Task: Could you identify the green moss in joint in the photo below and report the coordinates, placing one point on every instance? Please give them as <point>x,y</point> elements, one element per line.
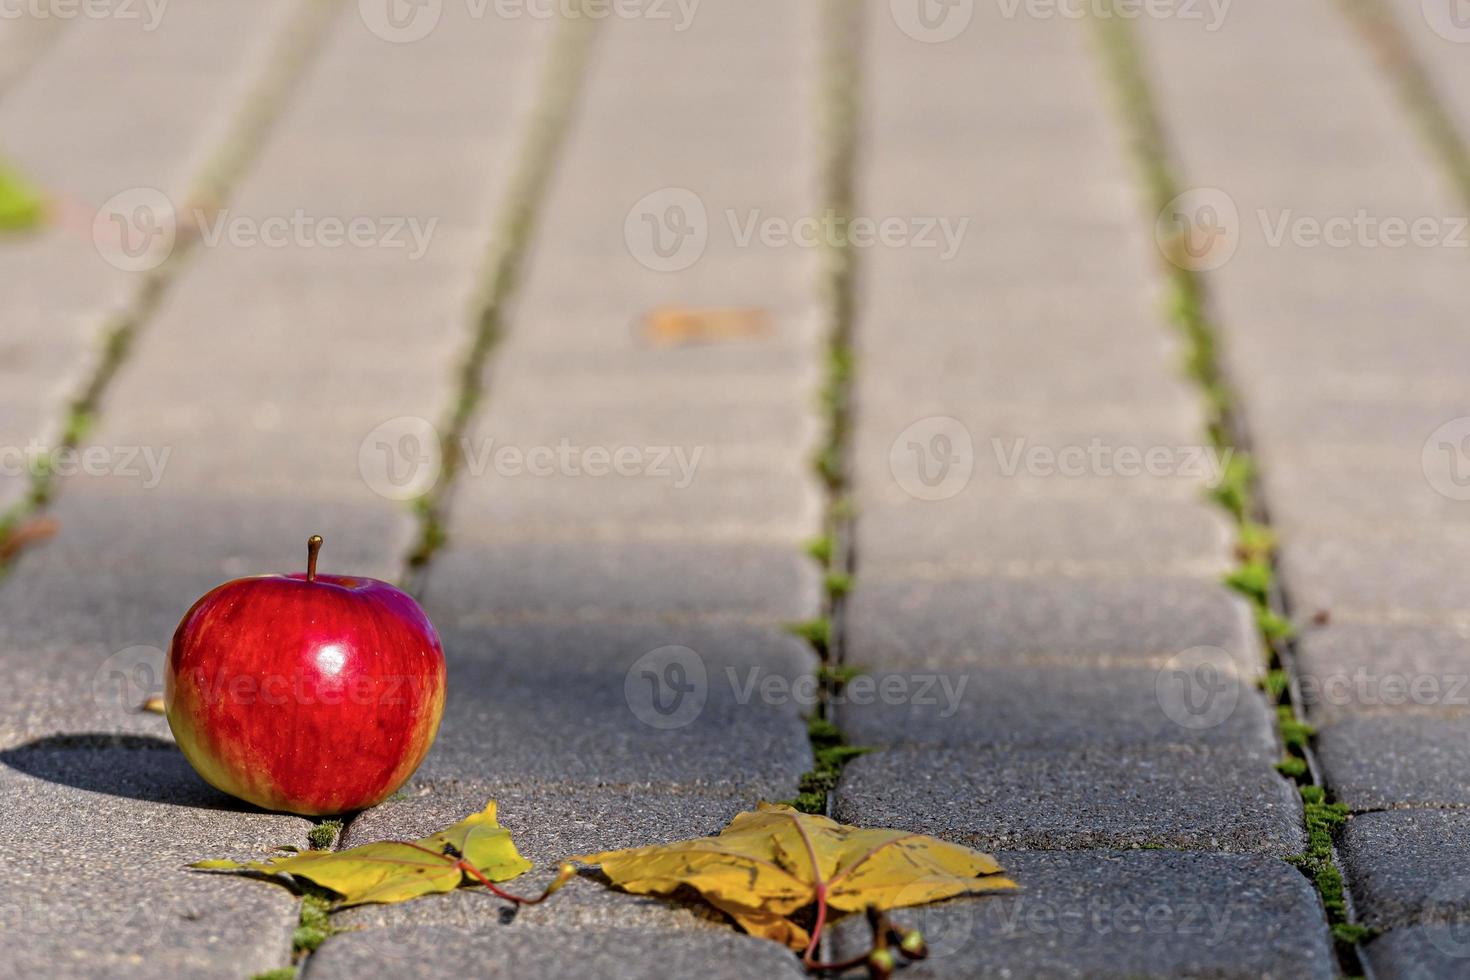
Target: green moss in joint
<point>1294,734</point>
<point>279,973</point>
<point>1273,626</point>
<point>829,754</point>
<point>1252,580</point>
<point>1276,683</point>
<point>817,632</point>
<point>324,834</point>
<point>836,675</point>
<point>838,584</point>
<point>1234,490</point>
<point>1322,820</point>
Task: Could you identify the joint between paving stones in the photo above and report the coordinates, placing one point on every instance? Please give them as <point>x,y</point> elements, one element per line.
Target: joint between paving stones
<point>227,161</point>
<point>1255,575</point>
<point>555,101</point>
<point>314,924</point>
<point>833,550</point>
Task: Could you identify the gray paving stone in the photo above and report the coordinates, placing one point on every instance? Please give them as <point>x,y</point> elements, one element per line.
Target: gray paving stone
<point>1357,668</point>
<point>269,407</point>
<point>1190,797</point>
<point>1144,533</point>
<point>550,953</point>
<point>1128,913</point>
<point>1408,867</point>
<point>23,40</point>
<point>1053,706</point>
<point>1400,759</point>
<point>773,583</point>
<point>1439,43</point>
<point>729,547</point>
<point>295,371</point>
<point>598,702</point>
<point>971,622</point>
<point>81,133</point>
<point>1412,568</point>
<point>99,832</point>
<point>1335,486</point>
<point>1420,953</point>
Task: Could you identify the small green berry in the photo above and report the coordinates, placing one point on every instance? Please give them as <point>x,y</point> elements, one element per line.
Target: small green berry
<point>881,964</point>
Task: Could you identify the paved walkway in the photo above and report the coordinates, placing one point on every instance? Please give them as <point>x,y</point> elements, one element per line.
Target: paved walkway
<point>1048,662</point>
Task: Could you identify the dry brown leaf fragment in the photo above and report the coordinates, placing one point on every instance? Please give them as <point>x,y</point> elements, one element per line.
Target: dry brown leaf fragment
<point>27,534</point>
<point>668,326</point>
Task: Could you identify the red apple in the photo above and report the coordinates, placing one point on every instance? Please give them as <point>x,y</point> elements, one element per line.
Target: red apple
<point>305,693</point>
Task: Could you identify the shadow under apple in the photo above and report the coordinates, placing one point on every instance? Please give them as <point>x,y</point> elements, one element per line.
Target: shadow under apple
<point>139,767</point>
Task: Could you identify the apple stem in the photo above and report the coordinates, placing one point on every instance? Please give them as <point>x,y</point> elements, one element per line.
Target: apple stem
<point>313,548</point>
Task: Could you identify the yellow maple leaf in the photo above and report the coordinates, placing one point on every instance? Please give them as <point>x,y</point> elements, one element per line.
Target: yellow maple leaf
<point>395,871</point>
<point>770,862</point>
